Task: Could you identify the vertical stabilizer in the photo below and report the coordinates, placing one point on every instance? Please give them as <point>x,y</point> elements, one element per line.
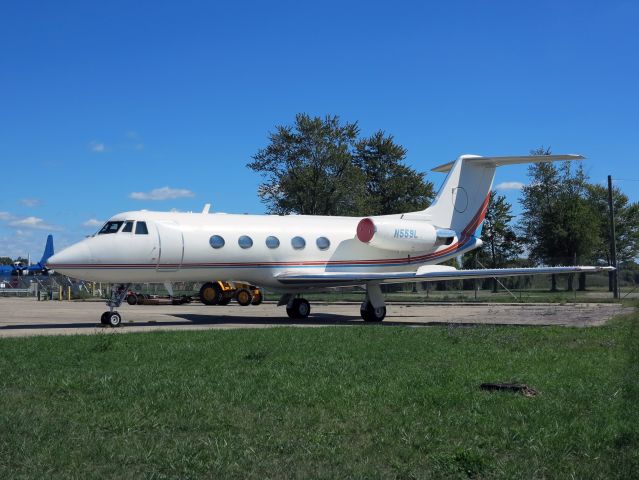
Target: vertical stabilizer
<point>462,200</point>
<point>48,250</point>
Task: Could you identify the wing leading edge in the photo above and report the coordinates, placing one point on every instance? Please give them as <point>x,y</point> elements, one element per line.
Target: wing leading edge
<point>429,273</point>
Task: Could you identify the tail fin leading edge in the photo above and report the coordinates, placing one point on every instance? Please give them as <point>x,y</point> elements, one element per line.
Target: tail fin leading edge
<point>462,200</point>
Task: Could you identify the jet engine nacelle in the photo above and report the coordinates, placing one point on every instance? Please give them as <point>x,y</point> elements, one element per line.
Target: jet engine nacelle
<point>400,235</point>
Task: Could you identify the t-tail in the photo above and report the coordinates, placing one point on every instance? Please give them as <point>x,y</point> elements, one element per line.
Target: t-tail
<point>48,251</point>
<point>462,201</point>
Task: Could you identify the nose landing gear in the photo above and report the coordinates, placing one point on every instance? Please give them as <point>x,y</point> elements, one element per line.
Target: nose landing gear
<point>112,317</point>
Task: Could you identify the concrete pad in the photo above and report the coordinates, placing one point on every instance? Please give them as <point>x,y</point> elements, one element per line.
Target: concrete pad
<point>27,316</point>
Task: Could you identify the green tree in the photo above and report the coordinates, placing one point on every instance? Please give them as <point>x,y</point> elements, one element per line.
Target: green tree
<point>501,243</point>
<point>577,217</point>
<point>539,203</point>
<point>391,186</point>
<point>557,217</point>
<point>308,168</point>
<point>320,167</point>
<point>6,261</point>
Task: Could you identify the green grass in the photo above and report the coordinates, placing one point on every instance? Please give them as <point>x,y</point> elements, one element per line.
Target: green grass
<point>336,402</point>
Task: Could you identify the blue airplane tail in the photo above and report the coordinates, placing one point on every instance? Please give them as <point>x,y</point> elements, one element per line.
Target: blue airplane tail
<point>48,250</point>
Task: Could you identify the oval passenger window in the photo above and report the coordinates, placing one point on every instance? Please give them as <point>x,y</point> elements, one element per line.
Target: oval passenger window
<point>298,243</point>
<point>216,241</point>
<point>245,241</point>
<point>272,242</point>
<point>323,243</point>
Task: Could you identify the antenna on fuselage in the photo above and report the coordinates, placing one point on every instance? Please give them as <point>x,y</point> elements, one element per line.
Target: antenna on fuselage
<point>206,208</point>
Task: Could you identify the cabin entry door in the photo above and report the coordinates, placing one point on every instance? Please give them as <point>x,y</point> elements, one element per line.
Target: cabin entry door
<point>171,241</point>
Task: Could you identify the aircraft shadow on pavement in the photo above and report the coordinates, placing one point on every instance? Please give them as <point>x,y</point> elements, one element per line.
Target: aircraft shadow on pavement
<point>212,320</point>
<point>314,320</point>
<point>319,319</point>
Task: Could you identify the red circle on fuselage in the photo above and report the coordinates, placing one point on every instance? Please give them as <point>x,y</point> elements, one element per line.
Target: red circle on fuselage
<point>365,230</point>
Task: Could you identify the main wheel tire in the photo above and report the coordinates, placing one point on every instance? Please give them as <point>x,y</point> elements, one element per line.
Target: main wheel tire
<point>372,314</point>
<point>299,309</point>
<point>258,297</point>
<point>132,299</point>
<point>243,297</point>
<point>104,318</point>
<point>114,319</point>
<point>210,293</point>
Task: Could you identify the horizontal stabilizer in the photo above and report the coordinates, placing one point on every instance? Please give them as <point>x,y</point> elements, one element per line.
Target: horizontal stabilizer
<point>428,273</point>
<point>500,161</point>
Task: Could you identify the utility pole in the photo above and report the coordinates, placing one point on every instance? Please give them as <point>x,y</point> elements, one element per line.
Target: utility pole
<point>613,242</point>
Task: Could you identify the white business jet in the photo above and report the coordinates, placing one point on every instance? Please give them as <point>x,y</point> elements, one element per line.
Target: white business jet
<point>292,254</point>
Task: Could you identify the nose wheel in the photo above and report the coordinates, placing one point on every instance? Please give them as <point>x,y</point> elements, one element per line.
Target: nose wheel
<point>112,317</point>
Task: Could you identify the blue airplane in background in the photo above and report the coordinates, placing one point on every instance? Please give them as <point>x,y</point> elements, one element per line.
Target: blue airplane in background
<point>18,268</point>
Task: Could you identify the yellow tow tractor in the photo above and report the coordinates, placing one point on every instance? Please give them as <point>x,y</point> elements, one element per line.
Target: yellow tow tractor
<point>221,293</point>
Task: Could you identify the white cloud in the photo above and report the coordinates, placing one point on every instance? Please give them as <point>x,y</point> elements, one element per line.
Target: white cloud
<point>164,193</point>
<point>5,216</point>
<point>509,186</point>
<point>139,146</point>
<point>21,243</point>
<point>92,222</point>
<point>132,135</point>
<point>97,147</point>
<point>30,202</point>
<point>32,222</point>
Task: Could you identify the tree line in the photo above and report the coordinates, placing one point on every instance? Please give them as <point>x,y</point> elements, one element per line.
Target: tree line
<point>321,166</point>
<point>564,221</point>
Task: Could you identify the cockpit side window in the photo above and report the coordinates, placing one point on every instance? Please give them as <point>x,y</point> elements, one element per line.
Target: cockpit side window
<point>140,228</point>
<point>110,227</point>
<point>128,227</point>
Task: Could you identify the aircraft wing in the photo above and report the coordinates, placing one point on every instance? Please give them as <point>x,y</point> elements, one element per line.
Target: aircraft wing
<point>428,273</point>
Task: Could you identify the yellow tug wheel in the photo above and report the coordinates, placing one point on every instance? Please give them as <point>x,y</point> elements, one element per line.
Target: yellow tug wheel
<point>244,297</point>
<point>257,297</point>
<point>210,293</point>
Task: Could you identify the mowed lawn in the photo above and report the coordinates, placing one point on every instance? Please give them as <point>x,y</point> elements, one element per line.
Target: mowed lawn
<point>339,402</point>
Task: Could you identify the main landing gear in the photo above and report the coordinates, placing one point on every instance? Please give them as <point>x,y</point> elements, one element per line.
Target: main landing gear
<point>371,314</point>
<point>296,308</point>
<point>372,309</point>
<point>118,294</point>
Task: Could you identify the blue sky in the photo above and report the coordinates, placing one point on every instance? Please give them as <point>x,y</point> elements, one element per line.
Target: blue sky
<point>100,100</point>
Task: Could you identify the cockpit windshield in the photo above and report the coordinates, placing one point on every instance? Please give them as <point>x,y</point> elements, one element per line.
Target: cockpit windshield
<point>110,227</point>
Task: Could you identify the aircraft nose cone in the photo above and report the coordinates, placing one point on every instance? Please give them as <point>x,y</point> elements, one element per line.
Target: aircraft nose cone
<point>78,254</point>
